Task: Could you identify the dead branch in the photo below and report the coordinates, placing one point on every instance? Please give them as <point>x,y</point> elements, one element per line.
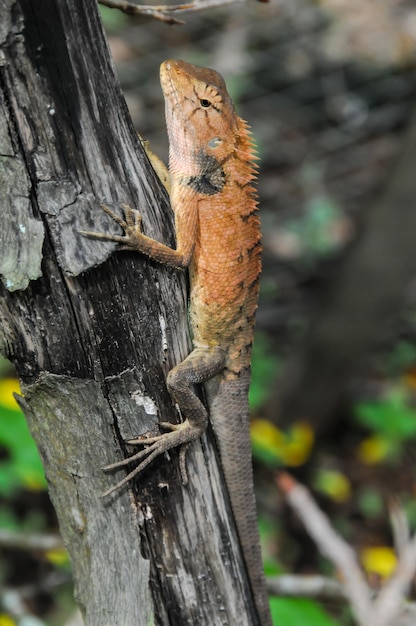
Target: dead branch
<point>387,608</point>
<point>164,12</point>
<point>330,544</point>
<point>31,542</point>
<point>388,604</point>
<point>306,587</point>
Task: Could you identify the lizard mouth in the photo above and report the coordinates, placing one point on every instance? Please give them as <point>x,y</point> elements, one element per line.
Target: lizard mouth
<point>180,131</point>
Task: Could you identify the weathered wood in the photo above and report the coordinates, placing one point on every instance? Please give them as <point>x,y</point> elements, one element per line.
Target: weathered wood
<point>92,347</point>
<point>56,408</point>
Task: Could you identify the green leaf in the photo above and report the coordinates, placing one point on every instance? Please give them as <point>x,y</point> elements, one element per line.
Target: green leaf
<point>392,416</point>
<point>403,357</point>
<point>8,519</point>
<point>113,20</point>
<point>297,611</point>
<point>21,466</point>
<point>319,230</point>
<point>264,370</point>
<point>5,366</point>
<point>370,502</point>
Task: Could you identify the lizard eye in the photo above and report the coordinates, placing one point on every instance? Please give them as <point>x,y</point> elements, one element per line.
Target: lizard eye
<point>205,103</point>
<point>214,142</point>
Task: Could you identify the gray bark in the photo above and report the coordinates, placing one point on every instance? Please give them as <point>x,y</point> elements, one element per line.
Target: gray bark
<point>92,347</point>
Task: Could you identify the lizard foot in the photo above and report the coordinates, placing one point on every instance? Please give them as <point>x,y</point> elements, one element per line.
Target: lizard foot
<point>131,225</point>
<point>180,435</point>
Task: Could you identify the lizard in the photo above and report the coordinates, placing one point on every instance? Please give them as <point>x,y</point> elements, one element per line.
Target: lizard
<point>212,170</point>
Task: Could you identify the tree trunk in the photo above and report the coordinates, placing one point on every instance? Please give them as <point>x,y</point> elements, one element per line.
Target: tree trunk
<point>92,347</point>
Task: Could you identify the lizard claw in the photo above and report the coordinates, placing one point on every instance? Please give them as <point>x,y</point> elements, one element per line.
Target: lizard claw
<point>133,219</point>
<point>165,425</point>
<point>114,216</point>
<point>180,435</point>
<point>131,225</point>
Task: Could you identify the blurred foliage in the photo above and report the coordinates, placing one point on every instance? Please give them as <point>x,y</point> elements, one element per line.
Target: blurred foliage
<point>392,422</point>
<point>113,20</point>
<point>4,367</point>
<point>385,34</point>
<point>319,231</point>
<point>276,447</point>
<point>20,465</point>
<point>58,558</point>
<point>296,611</point>
<point>333,484</point>
<point>21,474</point>
<point>320,228</point>
<point>32,521</point>
<point>409,507</point>
<point>401,358</point>
<point>265,366</point>
<point>370,502</point>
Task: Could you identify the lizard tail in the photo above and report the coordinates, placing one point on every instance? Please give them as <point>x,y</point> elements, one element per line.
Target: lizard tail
<point>229,416</point>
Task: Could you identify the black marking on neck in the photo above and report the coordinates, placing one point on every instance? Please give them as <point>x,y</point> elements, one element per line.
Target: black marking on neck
<point>212,178</point>
<point>206,162</point>
<point>208,184</point>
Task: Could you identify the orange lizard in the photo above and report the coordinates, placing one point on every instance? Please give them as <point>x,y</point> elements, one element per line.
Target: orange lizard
<point>211,171</point>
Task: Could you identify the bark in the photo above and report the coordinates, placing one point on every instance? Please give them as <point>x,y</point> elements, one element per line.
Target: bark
<point>363,300</point>
<point>92,347</point>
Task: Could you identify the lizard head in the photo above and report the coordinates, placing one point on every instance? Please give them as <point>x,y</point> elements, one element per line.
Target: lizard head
<point>200,117</point>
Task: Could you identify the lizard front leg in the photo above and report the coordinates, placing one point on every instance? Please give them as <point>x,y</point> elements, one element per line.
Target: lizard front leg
<point>201,365</point>
<point>135,239</point>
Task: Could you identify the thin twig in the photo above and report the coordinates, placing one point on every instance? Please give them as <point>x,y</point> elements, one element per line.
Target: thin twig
<point>30,541</point>
<point>388,605</point>
<point>330,544</point>
<point>399,525</point>
<point>164,12</point>
<point>134,9</point>
<point>306,587</point>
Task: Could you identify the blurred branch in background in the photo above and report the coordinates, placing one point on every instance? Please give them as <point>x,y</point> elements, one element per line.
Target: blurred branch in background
<point>387,607</point>
<point>164,12</point>
<point>297,586</point>
<point>36,542</point>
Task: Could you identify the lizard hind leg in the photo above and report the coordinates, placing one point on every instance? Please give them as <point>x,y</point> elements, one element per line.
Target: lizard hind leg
<point>201,365</point>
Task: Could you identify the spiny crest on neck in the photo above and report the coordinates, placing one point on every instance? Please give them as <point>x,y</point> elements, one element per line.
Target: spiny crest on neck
<point>245,144</point>
<point>245,170</point>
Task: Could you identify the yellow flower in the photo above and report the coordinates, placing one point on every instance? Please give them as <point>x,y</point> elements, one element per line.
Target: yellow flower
<point>290,448</point>
<point>58,556</point>
<point>8,386</point>
<point>379,560</point>
<point>333,484</point>
<point>5,620</point>
<point>298,444</point>
<point>374,449</point>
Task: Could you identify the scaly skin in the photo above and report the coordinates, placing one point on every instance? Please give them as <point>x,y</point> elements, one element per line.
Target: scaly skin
<point>211,167</point>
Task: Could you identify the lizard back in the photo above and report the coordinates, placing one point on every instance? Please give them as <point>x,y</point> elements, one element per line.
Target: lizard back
<point>212,168</point>
<point>212,163</point>
<point>225,268</point>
